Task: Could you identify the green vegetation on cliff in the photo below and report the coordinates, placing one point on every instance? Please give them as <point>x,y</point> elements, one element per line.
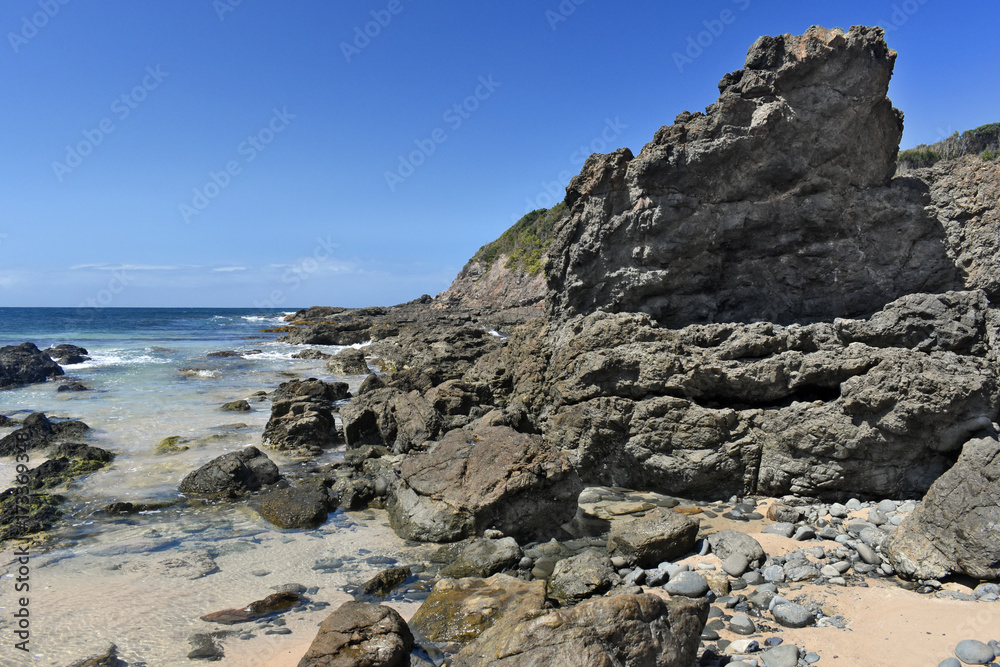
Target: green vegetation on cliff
<point>984,141</point>
<point>525,243</point>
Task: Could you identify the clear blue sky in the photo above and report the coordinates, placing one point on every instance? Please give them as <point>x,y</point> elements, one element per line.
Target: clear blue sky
<point>300,119</point>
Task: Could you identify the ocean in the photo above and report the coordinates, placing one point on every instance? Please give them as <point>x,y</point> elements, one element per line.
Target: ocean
<point>143,581</point>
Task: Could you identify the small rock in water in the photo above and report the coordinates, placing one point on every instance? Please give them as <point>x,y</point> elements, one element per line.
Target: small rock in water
<point>974,652</point>
<point>385,581</point>
<point>204,647</point>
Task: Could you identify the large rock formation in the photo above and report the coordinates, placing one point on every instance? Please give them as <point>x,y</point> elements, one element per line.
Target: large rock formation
<point>25,364</point>
<point>875,407</point>
<point>954,531</point>
<point>489,477</point>
<point>777,204</point>
<point>302,419</point>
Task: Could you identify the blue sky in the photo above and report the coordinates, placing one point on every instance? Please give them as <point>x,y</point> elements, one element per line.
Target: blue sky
<point>255,153</point>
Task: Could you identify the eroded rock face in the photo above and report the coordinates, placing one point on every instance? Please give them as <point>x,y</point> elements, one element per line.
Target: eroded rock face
<point>487,477</point>
<point>25,364</point>
<point>777,204</point>
<point>628,630</point>
<point>363,635</point>
<point>954,531</point>
<point>302,419</point>
<point>875,407</point>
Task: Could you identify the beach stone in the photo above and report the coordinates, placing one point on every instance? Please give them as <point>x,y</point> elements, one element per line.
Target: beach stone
<point>783,529</point>
<point>662,534</point>
<point>735,565</point>
<point>688,584</point>
<point>622,629</point>
<point>753,578</point>
<point>868,554</point>
<point>853,504</point>
<point>725,543</point>
<point>483,557</point>
<point>803,533</point>
<point>784,513</point>
<point>950,662</point>
<point>582,576</point>
<point>359,633</point>
<point>459,610</point>
<point>829,571</point>
<point>236,406</point>
<point>785,655</point>
<point>793,615</point>
<point>801,573</point>
<point>838,511</point>
<point>742,625</point>
<point>774,574</point>
<point>231,475</point>
<point>974,652</point>
<point>742,646</point>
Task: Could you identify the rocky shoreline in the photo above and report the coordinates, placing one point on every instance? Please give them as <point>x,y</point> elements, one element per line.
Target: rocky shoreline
<point>765,377</point>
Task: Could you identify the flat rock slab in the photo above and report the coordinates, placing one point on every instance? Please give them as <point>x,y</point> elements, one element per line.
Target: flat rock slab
<point>272,604</point>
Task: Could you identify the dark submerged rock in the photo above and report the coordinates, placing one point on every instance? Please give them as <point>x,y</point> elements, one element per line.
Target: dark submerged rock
<point>25,364</point>
<point>231,475</point>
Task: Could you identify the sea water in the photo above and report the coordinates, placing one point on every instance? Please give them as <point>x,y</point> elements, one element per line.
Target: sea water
<point>143,581</point>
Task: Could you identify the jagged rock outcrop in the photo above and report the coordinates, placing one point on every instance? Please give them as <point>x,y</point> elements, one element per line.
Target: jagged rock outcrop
<point>25,364</point>
<point>776,204</point>
<point>495,286</point>
<point>965,194</point>
<point>954,531</point>
<point>37,431</point>
<point>302,420</point>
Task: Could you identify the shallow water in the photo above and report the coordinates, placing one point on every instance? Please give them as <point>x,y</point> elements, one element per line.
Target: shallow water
<point>143,581</point>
